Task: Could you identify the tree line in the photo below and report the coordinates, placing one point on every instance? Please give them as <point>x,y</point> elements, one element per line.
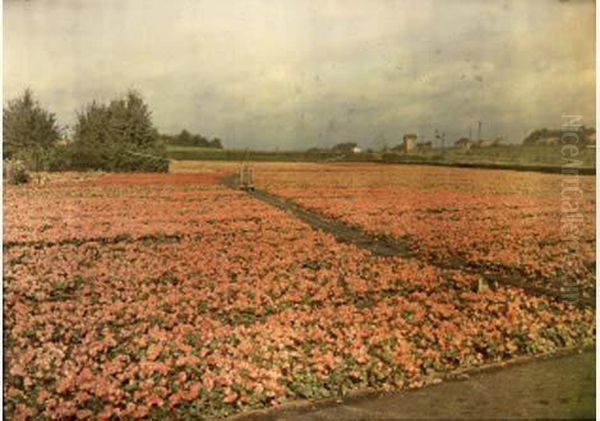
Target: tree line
<point>185,138</point>
<point>115,136</point>
<point>552,136</point>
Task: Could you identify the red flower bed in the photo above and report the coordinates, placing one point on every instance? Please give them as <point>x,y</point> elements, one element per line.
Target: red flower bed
<point>91,210</point>
<point>244,307</point>
<point>158,179</point>
<point>500,220</point>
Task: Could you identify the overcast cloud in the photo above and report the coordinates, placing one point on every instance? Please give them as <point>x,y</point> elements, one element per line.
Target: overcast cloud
<point>293,74</point>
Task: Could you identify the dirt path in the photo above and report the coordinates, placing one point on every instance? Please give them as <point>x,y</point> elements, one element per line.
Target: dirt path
<point>341,231</point>
<point>562,387</point>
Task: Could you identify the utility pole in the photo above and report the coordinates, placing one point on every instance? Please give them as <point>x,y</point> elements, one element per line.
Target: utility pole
<point>478,130</point>
<point>441,138</point>
<point>470,132</point>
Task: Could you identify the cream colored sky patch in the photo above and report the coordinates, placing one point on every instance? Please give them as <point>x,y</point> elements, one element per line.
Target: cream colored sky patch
<point>300,73</point>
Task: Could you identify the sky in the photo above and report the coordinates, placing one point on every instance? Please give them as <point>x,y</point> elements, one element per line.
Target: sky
<point>295,74</point>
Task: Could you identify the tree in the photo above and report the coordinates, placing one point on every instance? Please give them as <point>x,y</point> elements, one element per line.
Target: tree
<point>131,122</point>
<point>344,147</point>
<point>216,143</point>
<point>538,134</point>
<point>118,137</point>
<point>93,140</point>
<point>199,140</point>
<point>28,130</point>
<point>184,138</point>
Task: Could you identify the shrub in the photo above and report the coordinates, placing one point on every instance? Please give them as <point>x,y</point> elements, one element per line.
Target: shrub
<point>59,158</point>
<point>139,161</point>
<point>15,171</point>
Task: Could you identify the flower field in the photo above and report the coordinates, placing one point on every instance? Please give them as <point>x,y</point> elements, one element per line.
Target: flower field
<point>502,221</point>
<point>173,296</point>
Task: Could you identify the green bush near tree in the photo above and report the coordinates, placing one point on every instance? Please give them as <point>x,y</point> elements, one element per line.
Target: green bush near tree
<point>15,171</point>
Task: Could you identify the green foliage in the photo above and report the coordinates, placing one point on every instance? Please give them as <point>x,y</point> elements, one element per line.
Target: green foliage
<point>535,136</point>
<point>15,171</point>
<point>119,136</point>
<point>216,143</point>
<point>58,158</point>
<point>208,154</point>
<point>344,147</point>
<point>28,129</point>
<point>131,161</point>
<point>185,138</point>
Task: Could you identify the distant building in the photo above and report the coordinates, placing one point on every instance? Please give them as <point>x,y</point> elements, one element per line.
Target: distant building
<point>356,149</point>
<point>409,142</point>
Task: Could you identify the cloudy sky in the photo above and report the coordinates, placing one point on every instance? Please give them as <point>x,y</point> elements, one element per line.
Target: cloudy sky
<point>299,73</point>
